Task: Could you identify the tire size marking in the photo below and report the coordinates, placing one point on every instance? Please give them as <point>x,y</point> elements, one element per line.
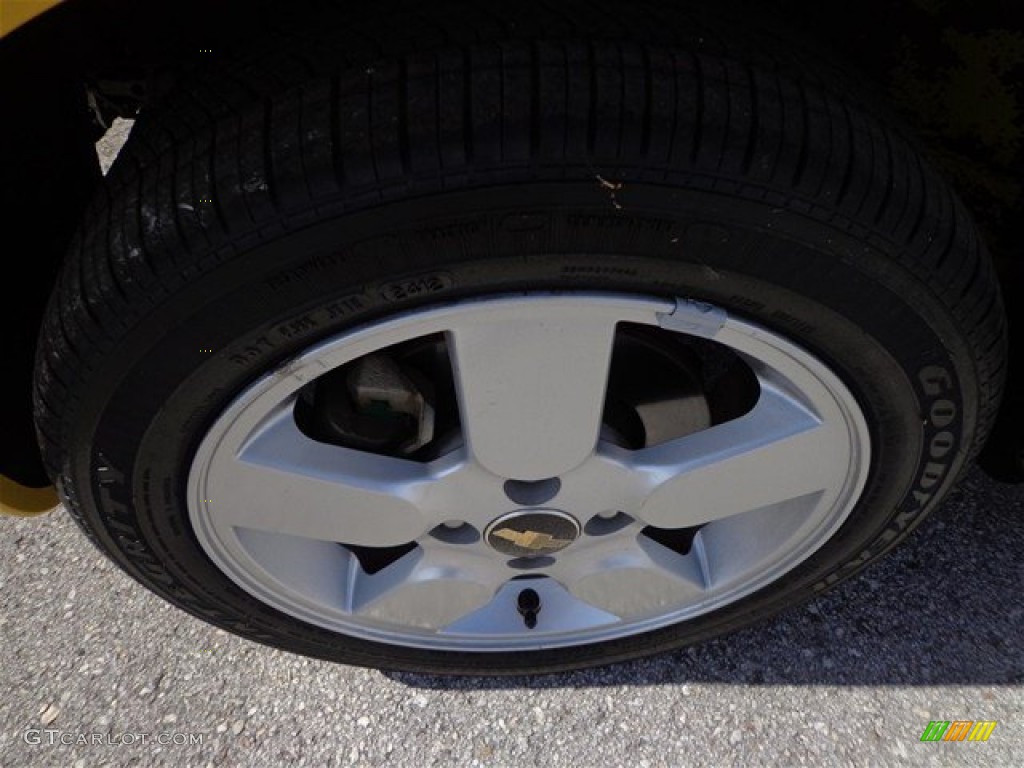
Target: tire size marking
<point>614,221</point>
<point>119,519</point>
<point>296,328</point>
<point>304,270</point>
<point>252,351</point>
<point>581,270</point>
<point>418,285</point>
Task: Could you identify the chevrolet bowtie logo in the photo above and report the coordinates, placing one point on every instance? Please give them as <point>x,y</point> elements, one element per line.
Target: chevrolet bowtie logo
<point>530,539</point>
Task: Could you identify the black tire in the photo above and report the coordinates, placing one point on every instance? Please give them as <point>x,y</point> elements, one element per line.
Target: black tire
<point>254,215</point>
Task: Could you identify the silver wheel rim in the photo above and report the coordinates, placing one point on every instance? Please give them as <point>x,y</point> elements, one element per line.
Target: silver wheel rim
<point>270,505</point>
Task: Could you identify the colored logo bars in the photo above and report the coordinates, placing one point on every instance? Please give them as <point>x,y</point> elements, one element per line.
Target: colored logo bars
<point>958,730</point>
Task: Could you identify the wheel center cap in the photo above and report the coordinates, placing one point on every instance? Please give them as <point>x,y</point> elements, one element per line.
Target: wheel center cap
<point>532,532</point>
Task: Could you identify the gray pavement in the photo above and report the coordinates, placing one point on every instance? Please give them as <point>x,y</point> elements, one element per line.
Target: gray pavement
<point>932,633</point>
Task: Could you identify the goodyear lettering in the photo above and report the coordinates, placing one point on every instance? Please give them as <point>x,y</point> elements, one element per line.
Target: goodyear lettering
<point>937,384</point>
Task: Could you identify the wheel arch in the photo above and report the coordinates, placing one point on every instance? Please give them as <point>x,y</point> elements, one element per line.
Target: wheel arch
<point>92,60</point>
<point>67,69</point>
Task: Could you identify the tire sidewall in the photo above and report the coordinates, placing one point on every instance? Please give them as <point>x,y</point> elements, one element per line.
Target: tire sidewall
<point>149,401</point>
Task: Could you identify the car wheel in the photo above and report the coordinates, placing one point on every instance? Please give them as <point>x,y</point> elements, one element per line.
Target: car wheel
<point>514,356</point>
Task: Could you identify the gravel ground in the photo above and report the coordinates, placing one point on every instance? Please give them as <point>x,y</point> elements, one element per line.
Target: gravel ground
<point>932,633</point>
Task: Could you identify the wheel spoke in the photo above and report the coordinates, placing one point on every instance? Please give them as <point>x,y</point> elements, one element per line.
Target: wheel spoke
<point>282,481</point>
<point>532,385</point>
<point>430,587</point>
<point>561,611</point>
<point>777,452</point>
<point>633,576</point>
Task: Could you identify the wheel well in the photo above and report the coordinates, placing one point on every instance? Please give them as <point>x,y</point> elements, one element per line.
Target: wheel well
<point>63,76</point>
<point>92,60</point>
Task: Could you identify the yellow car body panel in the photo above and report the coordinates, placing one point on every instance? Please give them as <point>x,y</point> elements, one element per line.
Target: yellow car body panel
<point>21,501</point>
<point>16,499</point>
<point>14,13</point>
